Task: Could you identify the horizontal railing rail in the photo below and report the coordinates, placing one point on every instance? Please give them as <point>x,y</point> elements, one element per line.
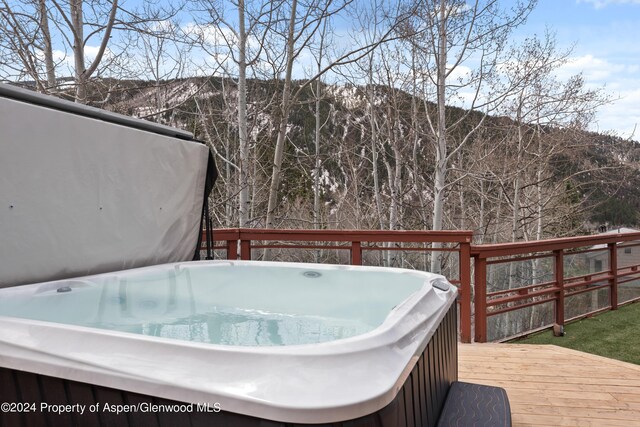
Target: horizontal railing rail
<point>482,296</point>
<point>557,289</point>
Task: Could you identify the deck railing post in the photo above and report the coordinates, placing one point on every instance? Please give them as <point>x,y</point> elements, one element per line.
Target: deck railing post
<point>356,253</point>
<point>559,279</point>
<point>464,263</point>
<point>613,269</point>
<point>232,249</point>
<point>480,288</point>
<point>245,250</point>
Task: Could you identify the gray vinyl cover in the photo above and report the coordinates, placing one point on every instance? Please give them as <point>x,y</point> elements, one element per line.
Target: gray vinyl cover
<point>81,195</point>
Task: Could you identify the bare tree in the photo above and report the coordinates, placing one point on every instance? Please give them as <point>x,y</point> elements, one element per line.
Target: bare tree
<point>302,24</point>
<point>240,36</point>
<point>542,108</point>
<point>28,29</point>
<point>26,50</point>
<point>462,44</point>
<point>319,124</point>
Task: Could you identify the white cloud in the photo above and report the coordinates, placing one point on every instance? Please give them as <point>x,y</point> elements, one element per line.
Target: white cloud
<point>66,59</point>
<point>59,56</point>
<point>211,34</point>
<point>163,26</point>
<point>221,49</point>
<point>90,53</point>
<point>620,81</point>
<point>461,73</point>
<point>595,70</point>
<point>622,115</point>
<point>599,4</point>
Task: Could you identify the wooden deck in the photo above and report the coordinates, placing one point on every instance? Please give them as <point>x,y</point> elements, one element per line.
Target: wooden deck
<point>554,386</point>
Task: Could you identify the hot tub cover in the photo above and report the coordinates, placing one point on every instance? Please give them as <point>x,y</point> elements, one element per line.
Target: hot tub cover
<point>85,191</point>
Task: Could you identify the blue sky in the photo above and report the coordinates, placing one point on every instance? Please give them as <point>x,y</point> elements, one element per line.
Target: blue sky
<point>606,34</point>
<point>606,39</point>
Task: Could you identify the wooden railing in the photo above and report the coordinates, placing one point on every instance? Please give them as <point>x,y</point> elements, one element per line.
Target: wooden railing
<point>495,294</point>
<point>556,280</point>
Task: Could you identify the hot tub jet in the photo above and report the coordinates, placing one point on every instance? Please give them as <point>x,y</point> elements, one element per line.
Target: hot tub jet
<point>312,274</point>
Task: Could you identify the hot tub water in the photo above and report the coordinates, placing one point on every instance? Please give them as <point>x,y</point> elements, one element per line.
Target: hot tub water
<point>222,304</point>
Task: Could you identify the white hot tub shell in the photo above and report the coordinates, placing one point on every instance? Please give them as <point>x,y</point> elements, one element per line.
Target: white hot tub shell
<point>331,380</point>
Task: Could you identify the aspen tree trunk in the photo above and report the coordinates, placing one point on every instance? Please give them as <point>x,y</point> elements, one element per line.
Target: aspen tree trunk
<point>515,217</point>
<point>539,227</point>
<point>82,72</point>
<point>481,214</point>
<point>515,213</point>
<point>317,163</point>
<point>374,145</point>
<point>461,199</point>
<point>75,7</point>
<point>282,131</point>
<point>318,119</point>
<point>441,139</point>
<point>244,201</point>
<point>491,269</point>
<point>394,181</point>
<point>316,177</point>
<point>48,48</point>
<point>414,154</point>
<point>228,154</point>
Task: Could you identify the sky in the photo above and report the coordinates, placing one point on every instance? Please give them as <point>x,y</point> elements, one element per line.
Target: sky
<point>605,35</point>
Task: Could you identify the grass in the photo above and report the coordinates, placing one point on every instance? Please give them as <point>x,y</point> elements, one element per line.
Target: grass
<point>613,334</point>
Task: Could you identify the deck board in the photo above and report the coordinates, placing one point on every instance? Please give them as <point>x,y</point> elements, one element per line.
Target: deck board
<point>549,385</point>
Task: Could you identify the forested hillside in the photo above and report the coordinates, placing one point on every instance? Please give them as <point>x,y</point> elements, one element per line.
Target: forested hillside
<point>554,182</point>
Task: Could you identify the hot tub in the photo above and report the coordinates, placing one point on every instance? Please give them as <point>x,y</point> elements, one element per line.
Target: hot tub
<point>240,341</point>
